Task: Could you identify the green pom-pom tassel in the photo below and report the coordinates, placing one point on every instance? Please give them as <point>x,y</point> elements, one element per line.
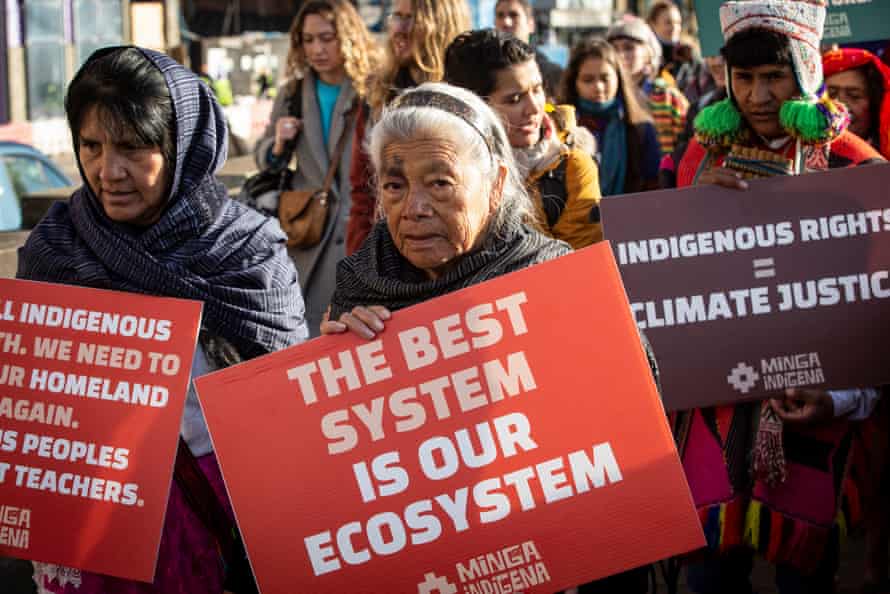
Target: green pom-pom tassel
<point>720,123</point>
<point>804,120</point>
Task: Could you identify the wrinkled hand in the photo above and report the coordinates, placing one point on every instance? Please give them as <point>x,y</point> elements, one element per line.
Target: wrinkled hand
<point>286,128</point>
<point>723,176</point>
<point>803,406</point>
<point>366,322</point>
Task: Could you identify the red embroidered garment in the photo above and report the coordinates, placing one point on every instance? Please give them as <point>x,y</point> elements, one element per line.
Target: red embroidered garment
<point>841,60</point>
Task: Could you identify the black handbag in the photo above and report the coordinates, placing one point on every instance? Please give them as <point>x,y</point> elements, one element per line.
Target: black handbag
<point>262,190</point>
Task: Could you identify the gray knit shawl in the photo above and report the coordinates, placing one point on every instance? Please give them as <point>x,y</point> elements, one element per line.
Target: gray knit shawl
<point>204,247</point>
<point>378,274</point>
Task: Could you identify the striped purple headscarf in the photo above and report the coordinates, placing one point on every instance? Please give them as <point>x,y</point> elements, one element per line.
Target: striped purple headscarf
<point>204,247</point>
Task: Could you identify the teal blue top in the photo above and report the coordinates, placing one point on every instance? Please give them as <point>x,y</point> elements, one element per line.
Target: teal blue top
<point>327,98</point>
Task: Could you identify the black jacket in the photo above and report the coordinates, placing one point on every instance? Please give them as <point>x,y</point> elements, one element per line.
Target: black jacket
<point>550,72</point>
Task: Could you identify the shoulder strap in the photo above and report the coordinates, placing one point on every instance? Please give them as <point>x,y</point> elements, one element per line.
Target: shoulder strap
<point>553,191</point>
<point>337,155</point>
<point>295,109</point>
<point>295,105</point>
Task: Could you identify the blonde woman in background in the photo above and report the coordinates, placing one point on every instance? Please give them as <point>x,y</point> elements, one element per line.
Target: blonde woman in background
<point>329,64</point>
<point>418,33</point>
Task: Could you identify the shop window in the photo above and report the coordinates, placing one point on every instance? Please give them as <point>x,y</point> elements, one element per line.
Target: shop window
<point>97,23</point>
<point>4,74</point>
<point>45,56</point>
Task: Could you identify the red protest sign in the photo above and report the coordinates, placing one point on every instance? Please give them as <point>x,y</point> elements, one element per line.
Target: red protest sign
<point>508,435</point>
<point>92,386</point>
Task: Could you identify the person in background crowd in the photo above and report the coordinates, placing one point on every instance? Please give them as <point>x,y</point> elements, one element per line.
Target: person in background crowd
<point>263,83</point>
<point>680,53</point>
<point>221,87</point>
<point>666,22</point>
<point>748,487</point>
<point>626,141</point>
<point>717,71</point>
<point>694,78</point>
<point>419,32</point>
<point>152,219</point>
<point>517,17</point>
<point>667,175</point>
<point>222,90</point>
<point>562,180</point>
<point>861,81</point>
<point>330,61</point>
<point>640,54</point>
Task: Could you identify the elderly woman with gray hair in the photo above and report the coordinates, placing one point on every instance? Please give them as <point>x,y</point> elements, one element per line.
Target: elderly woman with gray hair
<point>455,213</point>
<point>454,210</point>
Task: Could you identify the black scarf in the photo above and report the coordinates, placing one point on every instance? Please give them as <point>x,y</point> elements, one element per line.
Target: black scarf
<point>378,274</point>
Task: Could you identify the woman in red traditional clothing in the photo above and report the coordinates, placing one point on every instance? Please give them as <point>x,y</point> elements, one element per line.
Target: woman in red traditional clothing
<point>861,81</point>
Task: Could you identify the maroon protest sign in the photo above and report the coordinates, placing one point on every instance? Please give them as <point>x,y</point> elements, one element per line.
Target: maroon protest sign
<point>746,292</point>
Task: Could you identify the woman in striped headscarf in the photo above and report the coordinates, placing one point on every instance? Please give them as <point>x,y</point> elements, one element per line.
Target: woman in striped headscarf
<point>151,218</point>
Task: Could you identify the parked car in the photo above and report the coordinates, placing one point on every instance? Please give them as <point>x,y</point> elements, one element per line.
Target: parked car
<point>23,170</point>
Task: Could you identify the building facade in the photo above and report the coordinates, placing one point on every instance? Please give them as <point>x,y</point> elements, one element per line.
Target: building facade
<point>4,92</point>
<point>44,42</point>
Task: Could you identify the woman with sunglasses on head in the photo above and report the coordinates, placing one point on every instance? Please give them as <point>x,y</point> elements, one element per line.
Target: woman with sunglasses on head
<point>418,33</point>
<point>313,119</point>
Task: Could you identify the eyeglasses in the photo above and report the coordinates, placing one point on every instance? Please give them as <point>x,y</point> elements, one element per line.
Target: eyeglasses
<point>400,21</point>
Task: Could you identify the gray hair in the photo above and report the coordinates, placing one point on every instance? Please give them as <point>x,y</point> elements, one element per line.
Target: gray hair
<point>486,142</point>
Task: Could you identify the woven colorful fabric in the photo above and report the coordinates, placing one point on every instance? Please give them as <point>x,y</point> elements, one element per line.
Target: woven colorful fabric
<point>841,60</point>
<point>754,163</point>
<point>790,522</point>
<point>668,107</point>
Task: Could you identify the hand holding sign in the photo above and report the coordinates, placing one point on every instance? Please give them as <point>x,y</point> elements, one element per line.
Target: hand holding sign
<point>804,406</point>
<point>722,176</point>
<point>470,445</point>
<point>363,321</point>
<point>743,294</point>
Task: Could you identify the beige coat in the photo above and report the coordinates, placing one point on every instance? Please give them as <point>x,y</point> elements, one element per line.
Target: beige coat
<point>317,265</point>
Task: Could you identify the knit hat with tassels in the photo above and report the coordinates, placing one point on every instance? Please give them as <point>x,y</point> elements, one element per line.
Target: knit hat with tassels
<point>813,118</point>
